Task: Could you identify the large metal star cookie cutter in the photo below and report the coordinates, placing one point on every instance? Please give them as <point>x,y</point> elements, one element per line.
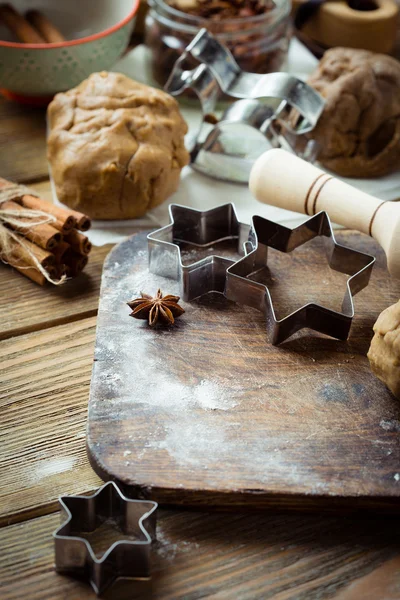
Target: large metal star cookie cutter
<point>124,558</point>
<point>261,117</point>
<point>241,287</point>
<point>235,278</point>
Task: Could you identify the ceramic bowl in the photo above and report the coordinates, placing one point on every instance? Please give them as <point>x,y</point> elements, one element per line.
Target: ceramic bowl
<point>97,31</point>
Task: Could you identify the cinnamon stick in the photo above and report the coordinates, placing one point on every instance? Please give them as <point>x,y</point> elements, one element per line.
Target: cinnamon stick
<point>19,26</point>
<point>80,264</point>
<point>20,257</point>
<point>44,235</point>
<point>36,275</point>
<point>65,219</point>
<point>45,27</point>
<point>77,262</point>
<point>83,222</point>
<point>78,242</point>
<point>64,270</point>
<point>59,255</point>
<point>30,272</point>
<point>21,253</point>
<point>60,251</point>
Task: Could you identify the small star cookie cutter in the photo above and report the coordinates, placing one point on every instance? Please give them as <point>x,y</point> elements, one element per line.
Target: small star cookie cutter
<point>199,229</point>
<point>233,278</point>
<point>264,234</point>
<point>124,558</point>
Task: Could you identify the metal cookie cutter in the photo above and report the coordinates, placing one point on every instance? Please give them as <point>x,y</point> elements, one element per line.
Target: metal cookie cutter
<point>232,278</point>
<point>125,558</point>
<point>200,229</point>
<point>242,289</point>
<point>259,120</point>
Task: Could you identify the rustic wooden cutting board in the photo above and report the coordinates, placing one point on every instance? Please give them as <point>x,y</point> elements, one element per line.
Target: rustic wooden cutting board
<point>208,413</point>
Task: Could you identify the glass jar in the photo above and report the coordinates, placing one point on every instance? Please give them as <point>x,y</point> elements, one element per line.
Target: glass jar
<point>259,43</point>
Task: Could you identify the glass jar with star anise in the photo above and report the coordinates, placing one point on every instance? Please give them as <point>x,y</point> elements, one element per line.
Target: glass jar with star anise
<point>255,31</point>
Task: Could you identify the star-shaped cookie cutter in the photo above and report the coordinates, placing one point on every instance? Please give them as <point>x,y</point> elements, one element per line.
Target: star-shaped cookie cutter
<point>233,278</point>
<point>199,229</point>
<point>264,233</point>
<point>125,558</point>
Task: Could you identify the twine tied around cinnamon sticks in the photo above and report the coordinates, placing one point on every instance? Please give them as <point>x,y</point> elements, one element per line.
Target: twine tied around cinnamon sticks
<point>21,220</point>
<point>40,239</point>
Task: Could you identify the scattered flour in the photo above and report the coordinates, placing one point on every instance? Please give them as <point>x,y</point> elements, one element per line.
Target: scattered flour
<point>167,549</point>
<point>52,466</point>
<point>138,373</point>
<point>390,425</point>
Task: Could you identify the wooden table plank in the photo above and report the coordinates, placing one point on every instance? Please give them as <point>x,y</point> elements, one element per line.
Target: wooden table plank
<point>23,134</point>
<point>224,556</point>
<point>43,398</point>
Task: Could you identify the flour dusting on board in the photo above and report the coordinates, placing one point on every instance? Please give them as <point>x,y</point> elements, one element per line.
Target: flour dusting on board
<point>189,441</point>
<point>132,358</point>
<point>129,382</point>
<point>390,425</point>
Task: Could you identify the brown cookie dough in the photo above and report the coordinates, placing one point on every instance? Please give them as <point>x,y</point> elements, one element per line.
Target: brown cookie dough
<point>384,352</point>
<point>116,147</point>
<point>359,130</point>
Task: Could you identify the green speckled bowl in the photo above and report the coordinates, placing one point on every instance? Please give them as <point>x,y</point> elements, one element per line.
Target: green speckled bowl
<point>98,33</point>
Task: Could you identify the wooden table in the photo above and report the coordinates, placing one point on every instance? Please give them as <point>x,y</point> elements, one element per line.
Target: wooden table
<point>46,351</point>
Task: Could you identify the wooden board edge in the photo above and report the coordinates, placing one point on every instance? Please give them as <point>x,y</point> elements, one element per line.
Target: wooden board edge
<point>249,499</point>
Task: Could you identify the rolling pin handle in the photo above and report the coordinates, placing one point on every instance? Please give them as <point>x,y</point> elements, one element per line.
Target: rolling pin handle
<point>285,180</point>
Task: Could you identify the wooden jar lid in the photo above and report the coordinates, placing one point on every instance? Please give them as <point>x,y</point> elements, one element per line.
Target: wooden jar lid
<point>337,24</point>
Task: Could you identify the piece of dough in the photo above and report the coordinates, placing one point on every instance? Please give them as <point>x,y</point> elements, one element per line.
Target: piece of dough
<point>116,147</point>
<point>359,130</point>
<point>384,352</point>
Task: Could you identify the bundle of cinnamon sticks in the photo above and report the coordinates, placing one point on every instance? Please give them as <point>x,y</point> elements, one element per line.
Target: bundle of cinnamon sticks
<point>39,238</point>
<point>34,28</point>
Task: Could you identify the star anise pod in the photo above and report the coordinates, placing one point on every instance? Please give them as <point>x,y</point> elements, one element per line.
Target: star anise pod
<point>161,308</point>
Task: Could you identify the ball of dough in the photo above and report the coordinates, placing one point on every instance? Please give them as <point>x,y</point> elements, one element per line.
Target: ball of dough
<point>116,147</point>
<point>359,130</point>
<point>384,352</point>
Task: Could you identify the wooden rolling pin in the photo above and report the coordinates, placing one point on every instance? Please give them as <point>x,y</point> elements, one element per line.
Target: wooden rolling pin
<point>282,179</point>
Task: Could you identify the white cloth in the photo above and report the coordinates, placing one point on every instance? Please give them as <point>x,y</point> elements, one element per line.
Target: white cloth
<point>201,192</point>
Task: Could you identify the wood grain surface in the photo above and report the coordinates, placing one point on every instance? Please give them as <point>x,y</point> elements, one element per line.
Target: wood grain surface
<point>224,557</point>
<point>210,413</point>
<point>44,386</point>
